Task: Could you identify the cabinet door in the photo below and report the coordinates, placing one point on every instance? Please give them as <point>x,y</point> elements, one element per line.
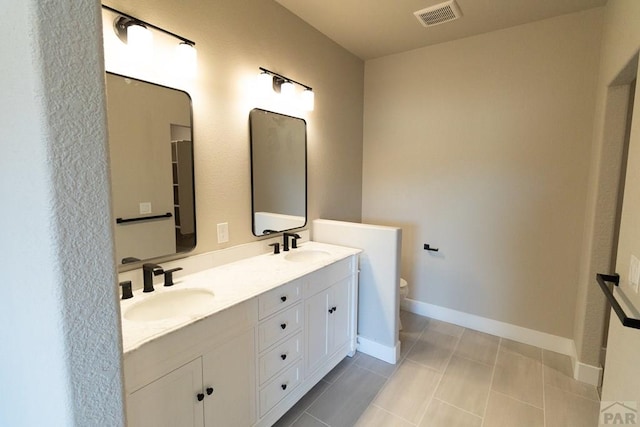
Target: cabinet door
<point>340,305</point>
<point>229,383</point>
<point>317,330</point>
<point>170,400</point>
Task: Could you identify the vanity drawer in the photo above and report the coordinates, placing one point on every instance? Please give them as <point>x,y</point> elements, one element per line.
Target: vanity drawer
<point>280,357</point>
<point>280,387</point>
<point>322,279</point>
<point>279,326</point>
<point>279,298</point>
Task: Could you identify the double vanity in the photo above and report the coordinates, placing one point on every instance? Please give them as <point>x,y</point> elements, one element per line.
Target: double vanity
<point>239,344</point>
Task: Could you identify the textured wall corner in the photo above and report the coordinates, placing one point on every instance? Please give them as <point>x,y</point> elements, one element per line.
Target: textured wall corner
<point>60,316</point>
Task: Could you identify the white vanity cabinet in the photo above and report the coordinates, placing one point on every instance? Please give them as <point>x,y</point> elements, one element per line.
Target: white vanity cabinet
<point>327,335</point>
<point>216,388</point>
<point>248,364</point>
<point>327,316</point>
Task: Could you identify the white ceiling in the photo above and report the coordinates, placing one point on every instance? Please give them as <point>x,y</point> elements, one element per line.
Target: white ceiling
<point>374,28</point>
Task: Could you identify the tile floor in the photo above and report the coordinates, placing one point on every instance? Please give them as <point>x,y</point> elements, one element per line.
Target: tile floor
<point>450,376</point>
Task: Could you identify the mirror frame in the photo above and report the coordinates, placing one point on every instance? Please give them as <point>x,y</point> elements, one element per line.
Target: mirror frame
<point>252,163</point>
<point>134,262</point>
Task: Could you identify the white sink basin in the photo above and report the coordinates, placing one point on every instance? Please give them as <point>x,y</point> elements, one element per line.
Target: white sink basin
<point>306,255</point>
<point>165,305</point>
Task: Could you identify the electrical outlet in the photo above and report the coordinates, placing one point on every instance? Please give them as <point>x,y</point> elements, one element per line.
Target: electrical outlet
<point>634,273</point>
<point>145,208</point>
<point>223,232</point>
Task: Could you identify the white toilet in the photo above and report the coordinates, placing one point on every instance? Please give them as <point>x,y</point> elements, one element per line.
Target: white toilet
<point>404,291</point>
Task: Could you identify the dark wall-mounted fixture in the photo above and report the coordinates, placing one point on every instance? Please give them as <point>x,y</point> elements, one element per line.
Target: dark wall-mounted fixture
<point>137,35</point>
<point>124,22</point>
<point>286,87</point>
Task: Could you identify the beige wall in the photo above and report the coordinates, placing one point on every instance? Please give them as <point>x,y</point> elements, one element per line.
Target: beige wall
<point>233,39</point>
<point>481,147</point>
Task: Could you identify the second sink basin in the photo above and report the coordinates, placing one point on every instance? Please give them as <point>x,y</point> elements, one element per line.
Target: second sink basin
<point>174,303</point>
<point>306,255</point>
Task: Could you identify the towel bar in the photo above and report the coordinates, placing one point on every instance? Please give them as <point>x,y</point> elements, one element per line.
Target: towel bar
<point>143,218</point>
<point>629,322</point>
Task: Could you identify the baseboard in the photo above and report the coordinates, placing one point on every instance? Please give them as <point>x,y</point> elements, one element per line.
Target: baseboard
<point>379,351</point>
<point>586,373</point>
<point>494,327</point>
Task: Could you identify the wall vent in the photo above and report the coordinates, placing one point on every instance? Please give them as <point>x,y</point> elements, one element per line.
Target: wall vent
<point>438,14</point>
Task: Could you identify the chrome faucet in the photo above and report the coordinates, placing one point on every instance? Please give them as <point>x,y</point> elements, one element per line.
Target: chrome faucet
<point>294,241</point>
<point>148,271</point>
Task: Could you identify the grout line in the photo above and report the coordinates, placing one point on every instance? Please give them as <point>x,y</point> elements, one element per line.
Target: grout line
<point>458,408</point>
<point>317,419</point>
<point>391,413</point>
<point>493,375</point>
<point>519,400</point>
<point>435,389</point>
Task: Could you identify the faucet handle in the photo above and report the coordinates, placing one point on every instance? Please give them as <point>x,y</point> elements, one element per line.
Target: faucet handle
<point>126,289</point>
<point>168,276</point>
<point>294,240</point>
<point>276,247</point>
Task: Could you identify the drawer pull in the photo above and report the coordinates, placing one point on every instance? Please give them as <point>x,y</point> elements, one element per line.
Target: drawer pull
<point>283,325</point>
<point>200,397</point>
<point>283,356</point>
<point>209,391</point>
<point>284,386</point>
<point>283,298</point>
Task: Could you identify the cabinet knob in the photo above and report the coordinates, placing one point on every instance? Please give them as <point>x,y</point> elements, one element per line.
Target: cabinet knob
<point>283,356</point>
<point>284,386</point>
<point>209,391</point>
<point>334,308</point>
<point>283,298</point>
<point>330,310</point>
<point>283,325</point>
<point>200,397</point>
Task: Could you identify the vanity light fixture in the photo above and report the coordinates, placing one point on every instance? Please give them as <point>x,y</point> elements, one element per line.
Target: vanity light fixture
<point>268,80</point>
<point>136,33</point>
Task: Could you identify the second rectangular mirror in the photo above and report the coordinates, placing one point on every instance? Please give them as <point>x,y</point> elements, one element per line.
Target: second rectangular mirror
<point>278,172</point>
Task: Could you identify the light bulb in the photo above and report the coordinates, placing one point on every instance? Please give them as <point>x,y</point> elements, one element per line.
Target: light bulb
<point>264,83</point>
<point>139,39</point>
<point>307,100</point>
<point>287,89</point>
<point>187,58</point>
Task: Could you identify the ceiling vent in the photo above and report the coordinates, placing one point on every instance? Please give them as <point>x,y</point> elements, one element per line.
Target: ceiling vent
<point>438,14</point>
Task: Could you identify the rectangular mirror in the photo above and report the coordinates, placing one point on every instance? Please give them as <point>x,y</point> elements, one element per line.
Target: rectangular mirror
<point>278,172</point>
<point>151,155</point>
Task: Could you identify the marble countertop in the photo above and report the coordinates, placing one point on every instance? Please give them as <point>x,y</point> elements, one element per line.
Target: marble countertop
<point>231,284</point>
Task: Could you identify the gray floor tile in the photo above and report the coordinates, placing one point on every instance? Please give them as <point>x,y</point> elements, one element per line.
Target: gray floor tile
<point>440,414</point>
<point>307,420</point>
<point>375,416</point>
<point>519,377</point>
<point>525,350</point>
<point>347,398</point>
<point>341,368</point>
<point>445,328</point>
<point>565,409</point>
<point>478,346</point>
<point>376,365</point>
<point>504,411</point>
<point>433,349</point>
<point>559,373</point>
<point>294,413</point>
<point>465,384</point>
<point>408,392</point>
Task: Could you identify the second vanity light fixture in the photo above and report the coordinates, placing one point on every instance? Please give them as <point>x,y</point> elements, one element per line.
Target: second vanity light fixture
<point>136,34</point>
<point>269,80</point>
